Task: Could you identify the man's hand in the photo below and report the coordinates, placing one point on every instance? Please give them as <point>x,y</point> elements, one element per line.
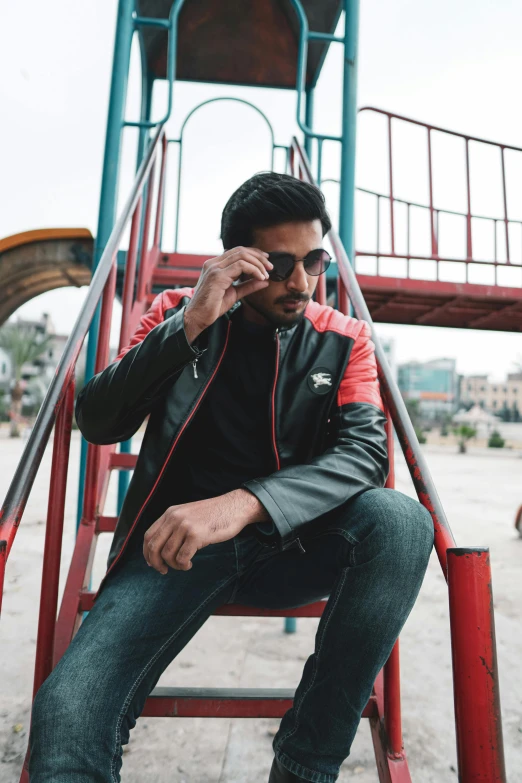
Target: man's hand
<point>216,293</point>
<point>176,536</point>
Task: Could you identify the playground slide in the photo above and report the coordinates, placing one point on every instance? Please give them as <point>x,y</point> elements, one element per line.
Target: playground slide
<point>37,261</point>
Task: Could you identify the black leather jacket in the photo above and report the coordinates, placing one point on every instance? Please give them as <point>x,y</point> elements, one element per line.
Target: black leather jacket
<point>327,423</point>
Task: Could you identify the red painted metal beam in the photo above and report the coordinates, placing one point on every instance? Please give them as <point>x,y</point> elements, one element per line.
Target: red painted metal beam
<point>438,287</point>
<point>310,610</point>
<point>475,673</point>
<point>143,277</point>
<point>171,276</point>
<point>508,311</point>
<point>392,702</point>
<point>226,703</point>
<point>439,310</point>
<point>106,525</point>
<point>86,600</point>
<point>392,767</point>
<point>3,560</point>
<point>78,578</point>
<point>129,278</point>
<point>122,461</point>
<point>53,541</point>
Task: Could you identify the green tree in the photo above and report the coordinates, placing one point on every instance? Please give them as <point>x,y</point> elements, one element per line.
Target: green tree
<point>22,343</point>
<point>464,433</point>
<point>505,412</point>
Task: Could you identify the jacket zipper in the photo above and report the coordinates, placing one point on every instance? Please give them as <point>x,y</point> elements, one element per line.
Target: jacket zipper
<point>172,448</point>
<point>274,442</point>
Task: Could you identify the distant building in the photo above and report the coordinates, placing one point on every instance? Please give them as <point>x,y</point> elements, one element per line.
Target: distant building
<point>496,397</point>
<point>433,383</point>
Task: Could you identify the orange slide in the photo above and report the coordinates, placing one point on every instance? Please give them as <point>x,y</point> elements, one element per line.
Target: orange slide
<point>37,261</point>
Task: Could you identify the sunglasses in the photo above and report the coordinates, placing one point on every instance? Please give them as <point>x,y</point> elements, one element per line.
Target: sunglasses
<point>315,263</point>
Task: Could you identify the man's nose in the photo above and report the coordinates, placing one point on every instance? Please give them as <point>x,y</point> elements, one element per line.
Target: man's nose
<point>298,280</point>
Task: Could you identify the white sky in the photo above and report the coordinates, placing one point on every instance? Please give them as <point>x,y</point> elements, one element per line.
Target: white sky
<point>456,65</point>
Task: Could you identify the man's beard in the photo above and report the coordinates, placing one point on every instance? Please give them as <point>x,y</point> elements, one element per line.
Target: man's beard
<point>273,318</point>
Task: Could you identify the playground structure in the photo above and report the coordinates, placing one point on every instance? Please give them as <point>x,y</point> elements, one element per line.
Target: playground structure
<point>145,270</point>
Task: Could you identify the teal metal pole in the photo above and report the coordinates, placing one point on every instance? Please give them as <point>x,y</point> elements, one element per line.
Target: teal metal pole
<point>146,104</point>
<point>309,120</point>
<point>347,195</point>
<point>109,186</point>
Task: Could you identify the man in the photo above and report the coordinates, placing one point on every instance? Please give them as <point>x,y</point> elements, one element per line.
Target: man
<point>259,481</point>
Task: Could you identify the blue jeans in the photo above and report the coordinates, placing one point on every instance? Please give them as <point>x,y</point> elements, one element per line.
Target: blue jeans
<point>368,557</point>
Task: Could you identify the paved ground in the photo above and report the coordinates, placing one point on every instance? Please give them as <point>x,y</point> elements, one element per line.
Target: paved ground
<point>480,491</point>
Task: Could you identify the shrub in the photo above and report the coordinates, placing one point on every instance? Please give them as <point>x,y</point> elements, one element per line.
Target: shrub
<point>496,441</point>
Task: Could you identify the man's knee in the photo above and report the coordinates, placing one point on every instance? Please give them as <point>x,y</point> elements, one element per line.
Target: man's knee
<point>401,522</point>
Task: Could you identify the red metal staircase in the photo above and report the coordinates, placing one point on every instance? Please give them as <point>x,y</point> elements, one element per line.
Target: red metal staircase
<point>467,570</point>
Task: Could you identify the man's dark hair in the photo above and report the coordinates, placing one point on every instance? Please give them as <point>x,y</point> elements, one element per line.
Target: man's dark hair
<point>270,199</point>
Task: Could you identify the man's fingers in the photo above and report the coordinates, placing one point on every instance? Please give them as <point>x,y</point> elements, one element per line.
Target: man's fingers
<point>178,552</point>
<point>150,533</point>
<point>241,267</point>
<point>236,252</point>
<point>153,545</point>
<point>182,560</point>
<point>252,255</point>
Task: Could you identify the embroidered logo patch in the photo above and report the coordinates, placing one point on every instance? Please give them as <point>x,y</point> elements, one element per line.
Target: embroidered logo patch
<point>320,380</point>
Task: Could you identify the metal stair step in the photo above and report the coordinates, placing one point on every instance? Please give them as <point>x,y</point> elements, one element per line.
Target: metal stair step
<point>232,610</point>
<point>106,524</point>
<point>124,461</point>
<point>166,702</point>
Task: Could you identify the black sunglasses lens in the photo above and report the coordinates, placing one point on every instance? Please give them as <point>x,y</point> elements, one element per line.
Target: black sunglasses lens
<point>283,266</point>
<point>317,262</point>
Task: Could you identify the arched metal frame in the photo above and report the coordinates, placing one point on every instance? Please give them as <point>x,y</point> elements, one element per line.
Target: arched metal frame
<point>179,142</point>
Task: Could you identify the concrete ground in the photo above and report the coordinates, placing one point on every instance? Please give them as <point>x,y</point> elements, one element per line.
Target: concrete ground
<point>480,491</point>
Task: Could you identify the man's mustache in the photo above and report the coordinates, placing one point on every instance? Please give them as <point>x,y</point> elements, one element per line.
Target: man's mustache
<point>294,298</point>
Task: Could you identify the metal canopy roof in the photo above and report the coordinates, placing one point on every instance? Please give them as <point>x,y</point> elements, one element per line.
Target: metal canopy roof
<point>248,42</point>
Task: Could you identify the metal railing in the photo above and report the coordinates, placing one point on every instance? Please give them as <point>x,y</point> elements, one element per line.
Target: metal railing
<point>57,407</point>
<point>499,224</point>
